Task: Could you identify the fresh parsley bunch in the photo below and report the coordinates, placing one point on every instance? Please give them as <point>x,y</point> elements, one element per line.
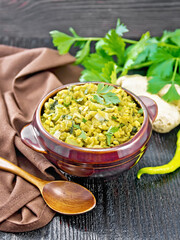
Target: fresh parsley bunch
<point>115,56</point>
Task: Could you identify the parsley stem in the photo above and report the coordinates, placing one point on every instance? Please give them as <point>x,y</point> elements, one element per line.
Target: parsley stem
<point>141,65</point>
<point>162,44</point>
<point>129,41</point>
<point>88,39</point>
<point>99,38</point>
<point>175,70</point>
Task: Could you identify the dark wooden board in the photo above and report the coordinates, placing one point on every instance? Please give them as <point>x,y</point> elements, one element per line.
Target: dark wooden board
<point>127,208</point>
<point>32,18</point>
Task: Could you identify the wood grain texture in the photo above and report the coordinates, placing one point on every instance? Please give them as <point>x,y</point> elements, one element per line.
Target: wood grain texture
<point>31,18</point>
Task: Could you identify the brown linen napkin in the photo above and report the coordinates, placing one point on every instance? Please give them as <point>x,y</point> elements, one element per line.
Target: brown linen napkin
<point>25,77</point>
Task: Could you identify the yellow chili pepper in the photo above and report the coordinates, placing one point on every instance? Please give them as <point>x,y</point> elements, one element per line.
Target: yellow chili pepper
<point>167,168</point>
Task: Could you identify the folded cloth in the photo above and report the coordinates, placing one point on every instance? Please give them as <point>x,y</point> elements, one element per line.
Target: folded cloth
<point>26,75</point>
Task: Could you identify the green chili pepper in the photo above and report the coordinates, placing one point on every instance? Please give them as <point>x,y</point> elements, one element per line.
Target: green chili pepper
<point>167,168</point>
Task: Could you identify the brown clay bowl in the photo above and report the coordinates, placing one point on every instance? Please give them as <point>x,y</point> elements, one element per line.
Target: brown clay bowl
<point>85,162</point>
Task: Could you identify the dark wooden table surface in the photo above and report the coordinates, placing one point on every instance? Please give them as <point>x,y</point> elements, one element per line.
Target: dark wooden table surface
<point>127,208</point>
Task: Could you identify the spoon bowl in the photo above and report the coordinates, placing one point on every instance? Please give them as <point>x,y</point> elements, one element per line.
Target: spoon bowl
<point>62,196</point>
<point>68,197</point>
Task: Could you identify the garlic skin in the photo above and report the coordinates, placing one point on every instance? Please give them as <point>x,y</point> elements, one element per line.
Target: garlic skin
<point>168,116</point>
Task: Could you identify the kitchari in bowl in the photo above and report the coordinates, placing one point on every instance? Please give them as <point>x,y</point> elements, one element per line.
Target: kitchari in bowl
<point>92,116</point>
<point>91,129</point>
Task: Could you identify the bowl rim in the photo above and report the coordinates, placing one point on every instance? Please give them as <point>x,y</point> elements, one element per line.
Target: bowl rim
<point>84,149</point>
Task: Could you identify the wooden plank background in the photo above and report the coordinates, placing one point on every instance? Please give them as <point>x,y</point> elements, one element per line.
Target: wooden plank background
<point>32,18</point>
<point>126,208</point>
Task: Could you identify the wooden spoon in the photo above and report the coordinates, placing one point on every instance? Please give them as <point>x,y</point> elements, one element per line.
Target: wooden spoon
<point>62,196</point>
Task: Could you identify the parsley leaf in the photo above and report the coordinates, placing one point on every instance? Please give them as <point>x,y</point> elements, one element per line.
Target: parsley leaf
<point>156,83</point>
<point>82,135</point>
<point>104,94</point>
<point>112,130</point>
<point>121,28</point>
<point>166,35</point>
<point>73,127</point>
<point>164,71</point>
<point>81,54</point>
<point>62,41</point>
<point>104,88</point>
<point>77,43</point>
<point>108,137</point>
<point>149,50</point>
<point>100,50</point>
<point>91,76</point>
<point>161,54</point>
<point>52,105</point>
<point>84,120</point>
<point>164,68</point>
<point>175,37</point>
<point>133,51</point>
<point>98,99</point>
<point>172,94</point>
<point>110,133</point>
<point>109,72</point>
<point>114,118</point>
<point>140,111</point>
<point>114,45</point>
<point>172,36</point>
<point>111,98</point>
<point>96,61</point>
<point>76,125</point>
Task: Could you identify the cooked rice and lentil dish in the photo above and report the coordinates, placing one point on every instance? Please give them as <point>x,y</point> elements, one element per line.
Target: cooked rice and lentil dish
<point>92,116</point>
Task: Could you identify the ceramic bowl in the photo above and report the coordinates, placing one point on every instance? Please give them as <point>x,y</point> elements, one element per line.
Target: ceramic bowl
<point>85,162</point>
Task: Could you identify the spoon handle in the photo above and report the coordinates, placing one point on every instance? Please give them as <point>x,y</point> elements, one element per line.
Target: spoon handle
<point>10,167</point>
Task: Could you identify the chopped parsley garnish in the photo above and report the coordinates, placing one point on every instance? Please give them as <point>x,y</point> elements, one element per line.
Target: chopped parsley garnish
<point>105,96</point>
<point>134,130</point>
<point>83,135</point>
<point>67,101</point>
<point>73,127</point>
<point>69,117</point>
<point>76,126</point>
<point>84,120</point>
<point>66,116</point>
<point>52,105</point>
<point>110,133</point>
<point>140,111</point>
<point>114,118</point>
